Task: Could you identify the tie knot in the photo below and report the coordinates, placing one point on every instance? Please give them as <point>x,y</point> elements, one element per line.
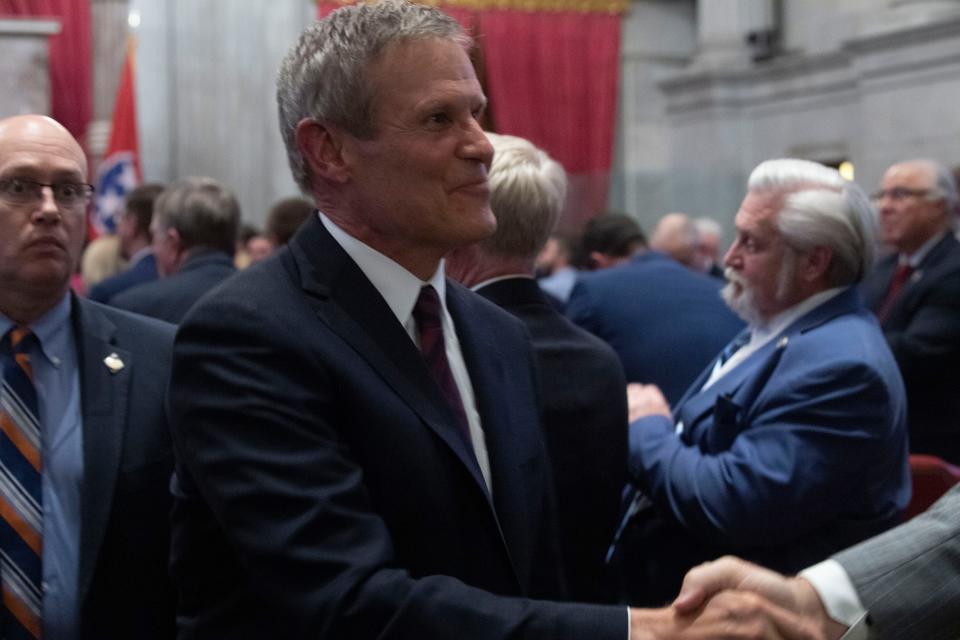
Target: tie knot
<point>17,340</point>
<point>427,310</point>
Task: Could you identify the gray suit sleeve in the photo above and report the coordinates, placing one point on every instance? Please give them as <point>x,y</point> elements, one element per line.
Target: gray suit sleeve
<point>909,577</point>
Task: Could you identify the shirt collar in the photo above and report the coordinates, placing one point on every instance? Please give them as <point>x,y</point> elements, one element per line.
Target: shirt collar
<point>915,258</point>
<point>399,288</point>
<point>512,276</point>
<point>787,317</point>
<point>53,329</point>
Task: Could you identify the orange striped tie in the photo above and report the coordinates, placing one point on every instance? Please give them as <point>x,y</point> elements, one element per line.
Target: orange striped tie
<point>21,498</point>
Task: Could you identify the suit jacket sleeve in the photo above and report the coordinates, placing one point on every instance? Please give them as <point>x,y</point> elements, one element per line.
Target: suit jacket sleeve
<point>256,432</point>
<point>808,440</point>
<point>909,577</point>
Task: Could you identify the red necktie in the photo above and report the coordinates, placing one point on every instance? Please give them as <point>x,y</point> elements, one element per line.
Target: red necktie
<point>900,277</point>
<point>427,314</point>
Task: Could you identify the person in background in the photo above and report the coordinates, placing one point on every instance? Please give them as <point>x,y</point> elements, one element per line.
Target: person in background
<point>285,218</point>
<point>915,293</point>
<point>581,380</point>
<point>194,229</point>
<point>664,321</point>
<point>102,258</point>
<point>709,239</point>
<point>133,231</point>
<point>792,444</point>
<point>676,235</point>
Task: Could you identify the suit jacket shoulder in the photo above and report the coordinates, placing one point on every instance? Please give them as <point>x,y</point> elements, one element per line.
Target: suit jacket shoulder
<point>169,298</point>
<point>142,272</point>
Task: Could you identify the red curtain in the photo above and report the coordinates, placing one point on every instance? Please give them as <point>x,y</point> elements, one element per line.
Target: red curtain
<point>551,76</point>
<point>71,80</point>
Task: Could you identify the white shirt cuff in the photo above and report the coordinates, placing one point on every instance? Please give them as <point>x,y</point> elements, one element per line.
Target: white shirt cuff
<point>839,597</point>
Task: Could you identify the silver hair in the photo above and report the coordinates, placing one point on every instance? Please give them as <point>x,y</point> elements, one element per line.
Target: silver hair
<point>203,212</point>
<point>324,75</point>
<point>527,191</point>
<point>821,209</point>
<point>708,226</point>
<point>942,185</point>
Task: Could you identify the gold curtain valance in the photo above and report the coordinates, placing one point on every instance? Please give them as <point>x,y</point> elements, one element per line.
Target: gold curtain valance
<point>542,6</point>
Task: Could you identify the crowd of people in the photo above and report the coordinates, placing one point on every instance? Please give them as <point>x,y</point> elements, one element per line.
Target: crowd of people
<point>413,411</point>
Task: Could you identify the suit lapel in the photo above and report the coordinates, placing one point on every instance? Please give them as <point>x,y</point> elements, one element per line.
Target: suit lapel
<point>346,302</point>
<point>745,381</point>
<point>104,406</point>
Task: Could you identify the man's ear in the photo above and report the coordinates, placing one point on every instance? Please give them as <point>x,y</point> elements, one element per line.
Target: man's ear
<point>817,263</point>
<point>173,240</point>
<point>322,149</point>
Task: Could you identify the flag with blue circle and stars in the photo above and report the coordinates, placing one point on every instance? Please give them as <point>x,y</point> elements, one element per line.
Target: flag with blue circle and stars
<point>119,172</point>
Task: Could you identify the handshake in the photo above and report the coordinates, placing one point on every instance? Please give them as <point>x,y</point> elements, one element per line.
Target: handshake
<point>732,599</point>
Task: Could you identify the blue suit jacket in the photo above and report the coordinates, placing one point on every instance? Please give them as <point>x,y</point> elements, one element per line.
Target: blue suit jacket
<point>143,271</point>
<point>124,587</point>
<point>665,321</point>
<point>796,453</point>
<point>323,489</point>
<point>171,297</point>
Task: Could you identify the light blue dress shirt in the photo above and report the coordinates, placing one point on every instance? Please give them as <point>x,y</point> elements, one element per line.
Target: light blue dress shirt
<point>56,377</point>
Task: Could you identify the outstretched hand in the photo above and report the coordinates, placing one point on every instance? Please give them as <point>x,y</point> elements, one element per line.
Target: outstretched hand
<point>730,615</point>
<point>795,595</point>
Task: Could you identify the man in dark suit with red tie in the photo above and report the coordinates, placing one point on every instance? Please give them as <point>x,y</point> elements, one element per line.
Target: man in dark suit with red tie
<point>358,445</point>
<point>915,293</point>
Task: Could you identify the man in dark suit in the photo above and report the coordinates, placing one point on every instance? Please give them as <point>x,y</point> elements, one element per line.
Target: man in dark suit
<point>581,380</point>
<point>916,295</point>
<point>792,444</point>
<point>664,321</point>
<point>357,437</point>
<point>85,453</point>
<point>135,244</point>
<point>194,234</point>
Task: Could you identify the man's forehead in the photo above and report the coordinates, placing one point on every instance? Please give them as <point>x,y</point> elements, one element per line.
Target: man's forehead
<point>40,149</point>
<point>909,172</point>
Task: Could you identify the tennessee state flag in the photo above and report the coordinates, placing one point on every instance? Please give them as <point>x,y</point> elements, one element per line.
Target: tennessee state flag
<point>119,172</point>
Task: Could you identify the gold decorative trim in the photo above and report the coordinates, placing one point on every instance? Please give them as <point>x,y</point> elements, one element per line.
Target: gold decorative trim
<point>531,6</point>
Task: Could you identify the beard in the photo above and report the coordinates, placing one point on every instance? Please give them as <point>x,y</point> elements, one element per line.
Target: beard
<point>741,297</point>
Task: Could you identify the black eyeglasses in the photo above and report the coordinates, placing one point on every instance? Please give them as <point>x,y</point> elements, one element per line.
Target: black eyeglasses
<point>20,192</point>
<point>898,193</point>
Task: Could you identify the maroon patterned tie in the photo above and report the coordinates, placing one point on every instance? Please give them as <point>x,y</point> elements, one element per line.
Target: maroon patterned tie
<point>900,277</point>
<point>427,313</point>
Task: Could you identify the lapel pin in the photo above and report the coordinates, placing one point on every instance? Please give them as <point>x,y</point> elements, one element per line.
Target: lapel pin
<point>915,277</point>
<point>782,342</point>
<point>113,362</point>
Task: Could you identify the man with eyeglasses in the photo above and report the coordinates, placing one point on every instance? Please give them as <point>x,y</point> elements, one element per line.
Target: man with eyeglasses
<point>915,293</point>
<point>85,455</point>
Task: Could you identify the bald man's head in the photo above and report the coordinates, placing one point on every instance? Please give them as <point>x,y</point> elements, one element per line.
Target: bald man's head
<point>43,198</point>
